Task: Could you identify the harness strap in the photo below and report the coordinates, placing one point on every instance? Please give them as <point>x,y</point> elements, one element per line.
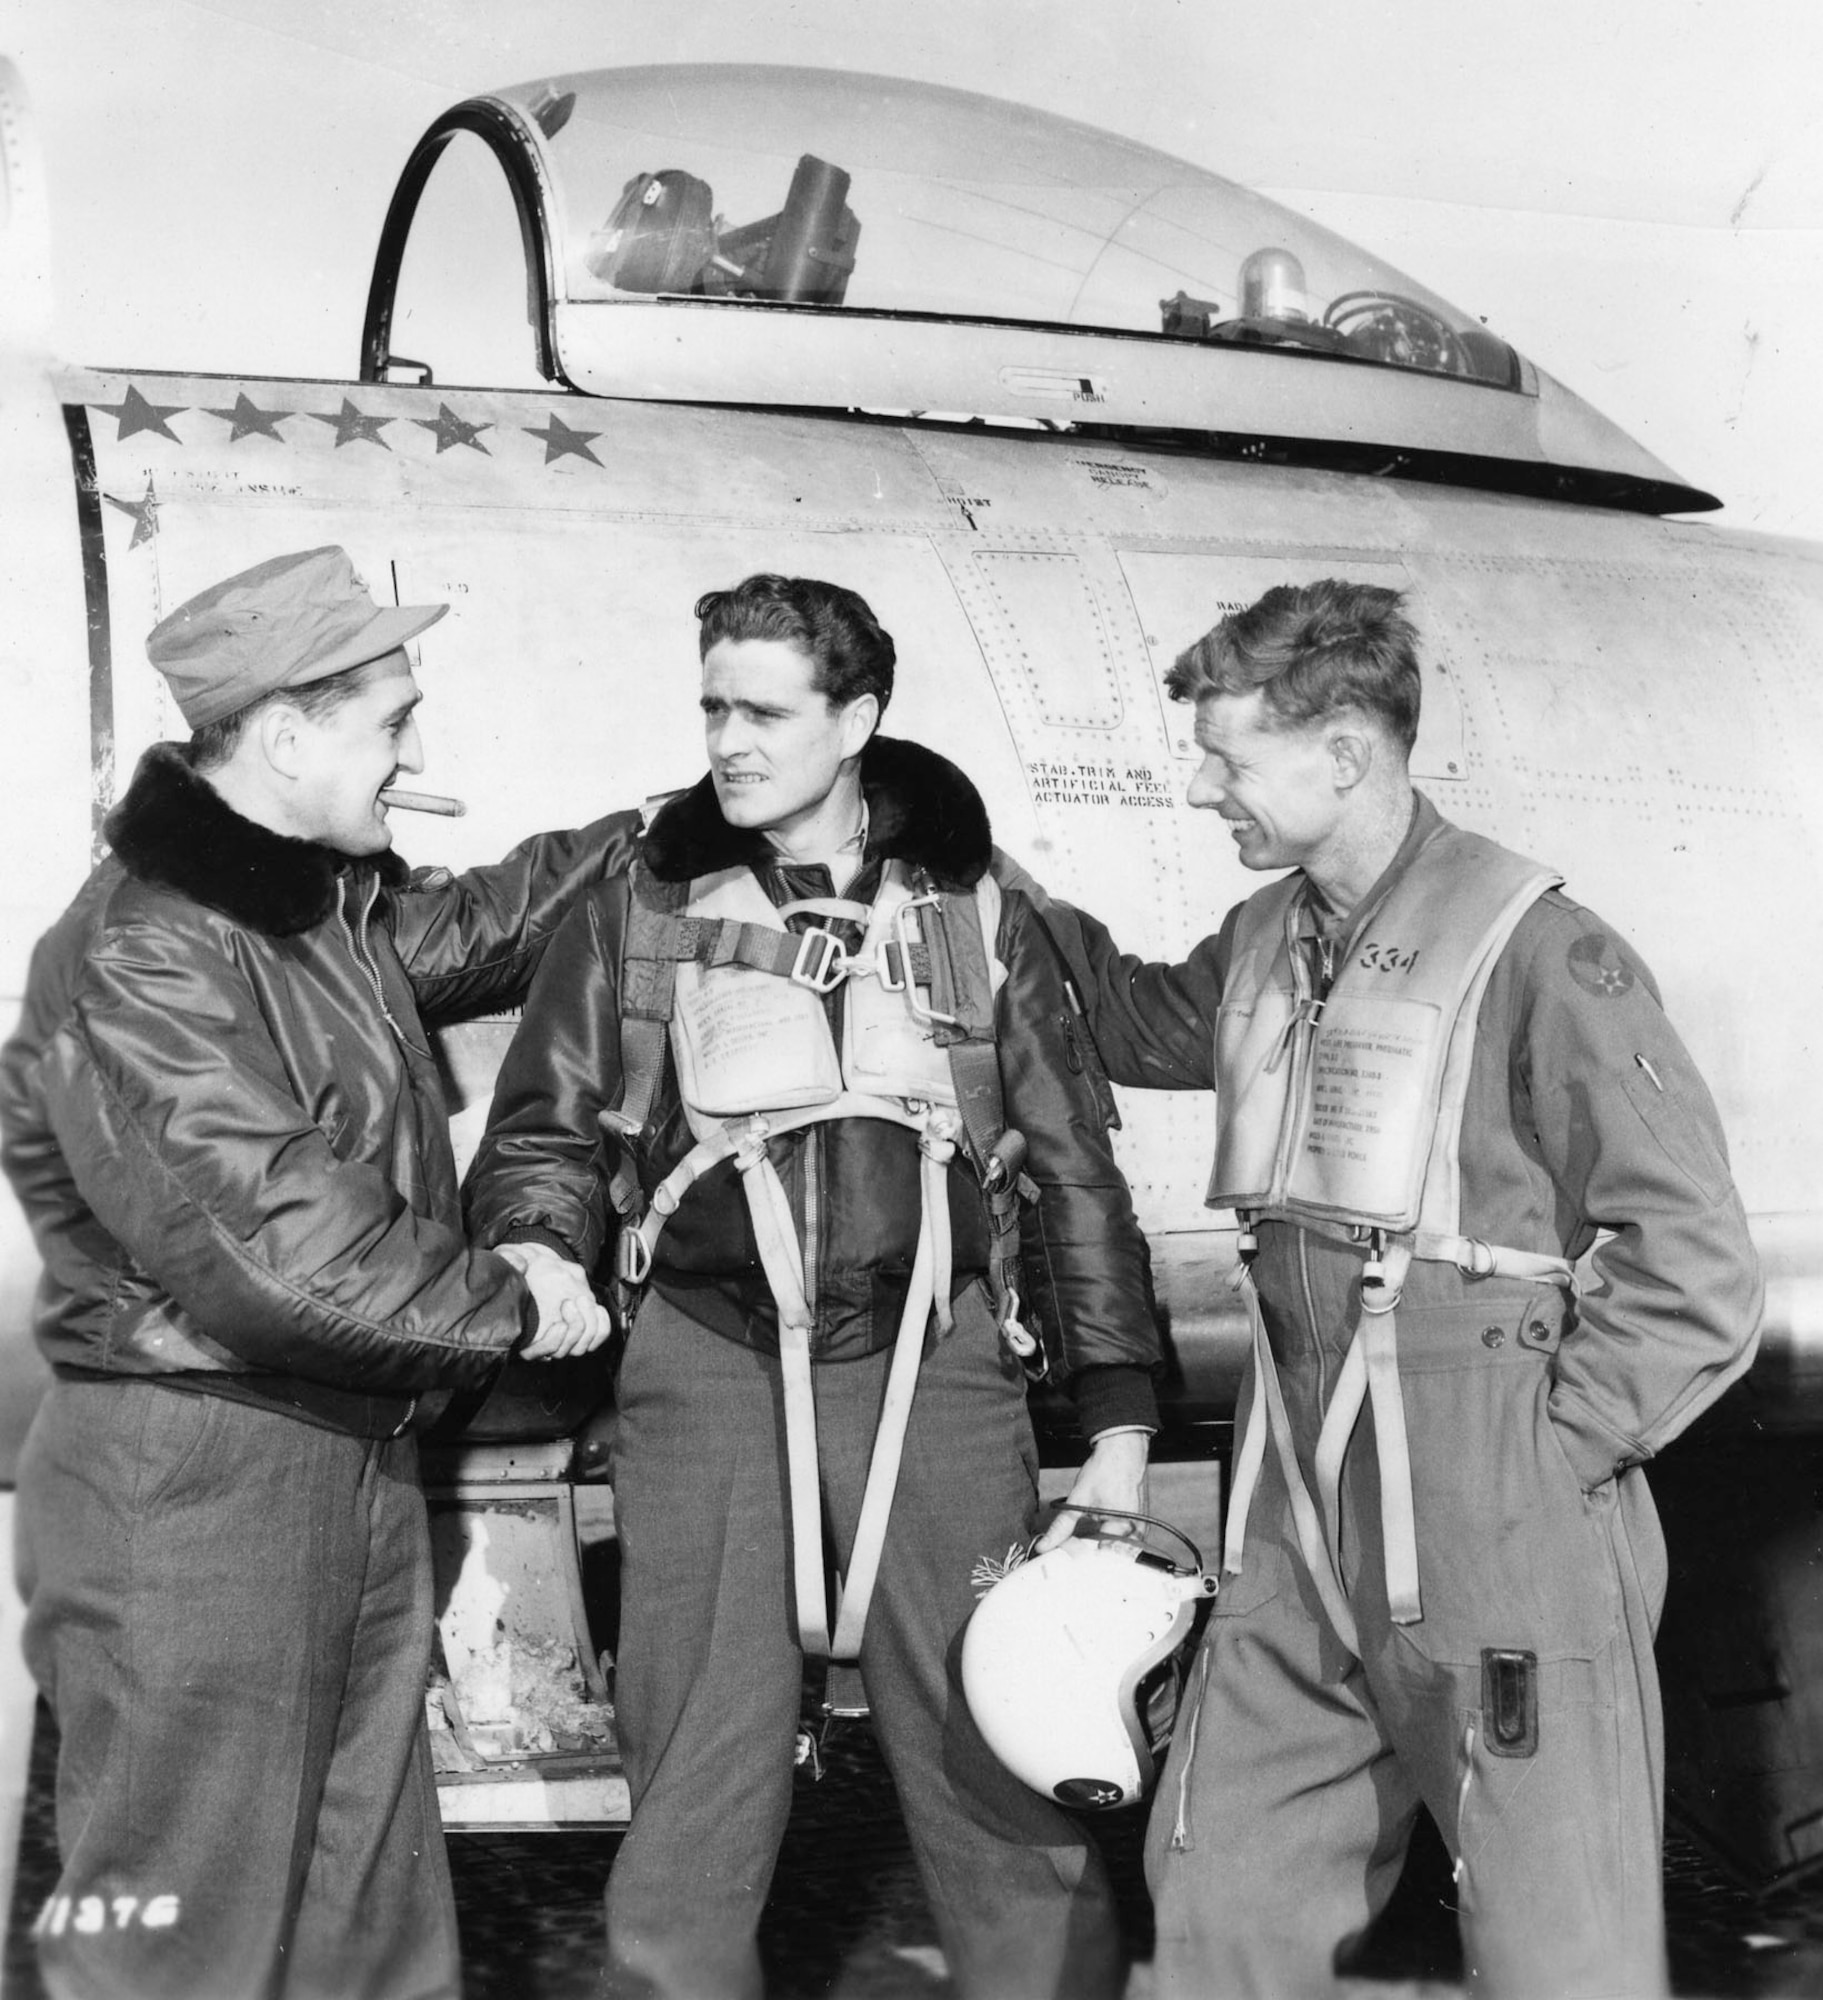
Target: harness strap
<point>998,1154</point>
<point>1269,1416</point>
<point>1477,1259</point>
<point>929,1286</point>
<point>648,986</point>
<point>721,941</point>
<point>1369,1372</point>
<point>961,981</point>
<point>936,1149</point>
<point>1250,1460</point>
<point>775,1234</point>
<point>640,1233</point>
<point>953,961</point>
<point>783,1261</point>
<point>841,908</point>
<point>817,958</point>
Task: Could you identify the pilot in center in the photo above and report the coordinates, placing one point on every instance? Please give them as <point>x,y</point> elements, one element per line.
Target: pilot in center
<point>820,1205</point>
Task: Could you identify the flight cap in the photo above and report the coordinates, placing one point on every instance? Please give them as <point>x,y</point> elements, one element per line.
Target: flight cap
<point>283,623</point>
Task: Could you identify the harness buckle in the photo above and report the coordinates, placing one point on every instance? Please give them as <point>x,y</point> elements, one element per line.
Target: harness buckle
<point>1000,1171</point>
<point>1246,1249</point>
<point>632,1258</point>
<point>1373,1272</point>
<point>1381,1292</point>
<point>942,1128</point>
<point>921,1009</point>
<point>1306,1013</point>
<point>749,1135</point>
<point>1022,1343</point>
<point>1479,1260</point>
<point>822,961</point>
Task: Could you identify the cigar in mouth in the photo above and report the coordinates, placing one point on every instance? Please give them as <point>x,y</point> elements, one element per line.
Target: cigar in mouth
<point>423,802</point>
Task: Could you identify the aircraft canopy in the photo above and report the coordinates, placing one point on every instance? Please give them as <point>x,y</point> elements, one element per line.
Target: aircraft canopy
<point>814,239</point>
<point>816,188</point>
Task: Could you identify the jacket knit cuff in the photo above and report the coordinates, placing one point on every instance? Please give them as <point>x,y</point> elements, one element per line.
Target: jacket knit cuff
<point>1113,1398</point>
<point>535,1232</point>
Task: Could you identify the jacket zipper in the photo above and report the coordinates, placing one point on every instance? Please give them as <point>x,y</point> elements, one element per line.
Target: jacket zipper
<point>364,960</point>
<point>1310,1322</point>
<point>812,1217</point>
<point>1304,1035</point>
<point>372,972</point>
<point>813,1176</point>
<point>1180,1827</point>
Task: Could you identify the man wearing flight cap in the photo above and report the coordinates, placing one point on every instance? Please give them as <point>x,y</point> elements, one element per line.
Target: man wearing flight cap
<point>224,1121</point>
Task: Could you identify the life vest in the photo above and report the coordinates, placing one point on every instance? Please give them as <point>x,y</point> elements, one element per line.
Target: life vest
<point>714,972</point>
<point>746,1041</point>
<point>1342,1113</point>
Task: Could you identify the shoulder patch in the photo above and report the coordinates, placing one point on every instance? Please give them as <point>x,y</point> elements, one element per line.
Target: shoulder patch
<point>1598,968</point>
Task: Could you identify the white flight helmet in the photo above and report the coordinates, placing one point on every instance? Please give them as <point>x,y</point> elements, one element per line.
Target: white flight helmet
<point>1071,1661</point>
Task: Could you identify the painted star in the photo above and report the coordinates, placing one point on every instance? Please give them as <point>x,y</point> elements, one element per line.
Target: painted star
<point>352,426</point>
<point>449,429</point>
<point>249,420</point>
<point>144,513</point>
<point>562,442</point>
<point>136,414</point>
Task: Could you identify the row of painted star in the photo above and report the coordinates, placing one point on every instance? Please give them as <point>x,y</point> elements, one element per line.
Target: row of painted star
<point>351,425</point>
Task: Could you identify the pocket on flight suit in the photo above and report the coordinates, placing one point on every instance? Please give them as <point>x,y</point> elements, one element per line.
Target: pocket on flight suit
<point>1512,1554</point>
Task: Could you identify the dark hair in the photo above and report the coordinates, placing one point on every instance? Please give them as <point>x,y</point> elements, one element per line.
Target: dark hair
<point>1312,650</point>
<point>849,650</point>
<point>215,742</point>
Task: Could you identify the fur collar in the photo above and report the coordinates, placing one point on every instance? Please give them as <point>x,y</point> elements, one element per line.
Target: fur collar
<point>920,809</point>
<point>174,828</point>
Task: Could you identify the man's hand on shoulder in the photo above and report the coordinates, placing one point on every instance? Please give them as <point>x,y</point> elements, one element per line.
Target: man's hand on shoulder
<point>570,1318</point>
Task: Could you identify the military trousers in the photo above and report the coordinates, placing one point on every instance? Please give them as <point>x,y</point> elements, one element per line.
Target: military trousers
<point>708,1680</point>
<point>1522,1710</point>
<point>230,1613</point>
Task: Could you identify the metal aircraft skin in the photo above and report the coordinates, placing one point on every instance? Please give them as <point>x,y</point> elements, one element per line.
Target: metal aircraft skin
<point>1632,699</point>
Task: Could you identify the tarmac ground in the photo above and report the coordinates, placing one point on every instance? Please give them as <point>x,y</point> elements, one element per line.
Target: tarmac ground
<point>847,1919</point>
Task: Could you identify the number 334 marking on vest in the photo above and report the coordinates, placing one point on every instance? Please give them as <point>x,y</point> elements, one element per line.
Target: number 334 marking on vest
<point>1386,958</point>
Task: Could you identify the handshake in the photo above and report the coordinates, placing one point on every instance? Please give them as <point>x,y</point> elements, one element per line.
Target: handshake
<point>571,1320</point>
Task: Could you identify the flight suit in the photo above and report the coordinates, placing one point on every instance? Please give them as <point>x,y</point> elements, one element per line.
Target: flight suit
<point>1522,1706</point>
